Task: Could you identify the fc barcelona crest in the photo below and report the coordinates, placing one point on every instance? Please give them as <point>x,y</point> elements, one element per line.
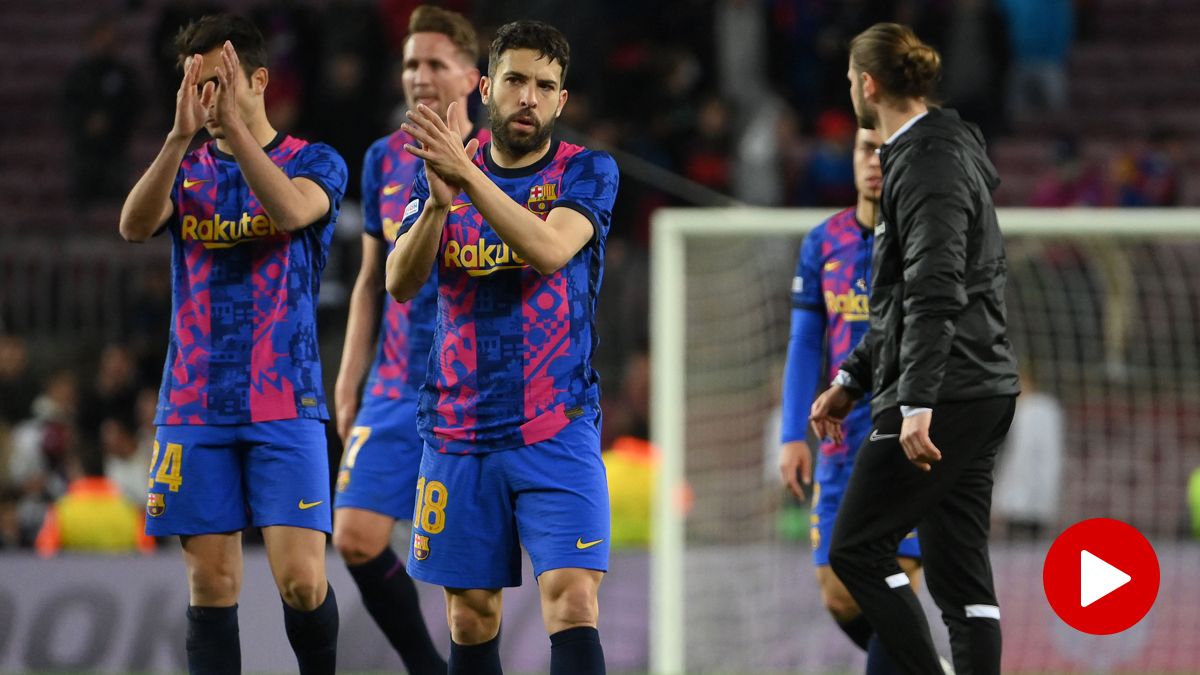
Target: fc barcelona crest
<point>420,546</point>
<point>541,197</point>
<point>155,504</point>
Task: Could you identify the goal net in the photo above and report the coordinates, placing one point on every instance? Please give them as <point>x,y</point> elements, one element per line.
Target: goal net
<point>1104,312</point>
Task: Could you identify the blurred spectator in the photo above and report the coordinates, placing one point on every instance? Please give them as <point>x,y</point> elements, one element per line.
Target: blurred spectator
<point>707,157</point>
<point>830,176</point>
<point>1070,182</point>
<point>632,467</point>
<point>93,517</point>
<point>101,103</point>
<point>740,27</point>
<point>17,386</point>
<point>976,64</point>
<point>1030,467</point>
<point>126,462</point>
<point>1040,32</point>
<point>1148,175</point>
<point>37,469</point>
<point>112,393</point>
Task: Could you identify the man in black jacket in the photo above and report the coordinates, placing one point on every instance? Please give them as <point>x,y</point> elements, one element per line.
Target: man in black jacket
<point>939,364</point>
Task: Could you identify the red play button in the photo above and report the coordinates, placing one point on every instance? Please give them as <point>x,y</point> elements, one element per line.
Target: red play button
<point>1101,576</point>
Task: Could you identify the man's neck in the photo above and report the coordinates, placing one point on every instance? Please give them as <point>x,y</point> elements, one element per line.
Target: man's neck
<point>506,159</point>
<point>892,119</point>
<point>866,211</point>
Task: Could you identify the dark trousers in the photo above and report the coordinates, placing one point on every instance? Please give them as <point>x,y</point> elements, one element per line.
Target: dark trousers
<point>887,496</point>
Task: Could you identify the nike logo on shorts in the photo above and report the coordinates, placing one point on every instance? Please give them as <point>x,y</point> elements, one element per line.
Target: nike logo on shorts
<point>581,544</point>
<point>304,506</point>
<point>876,436</point>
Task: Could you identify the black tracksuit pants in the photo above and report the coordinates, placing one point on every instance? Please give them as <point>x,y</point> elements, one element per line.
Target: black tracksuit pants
<point>950,506</point>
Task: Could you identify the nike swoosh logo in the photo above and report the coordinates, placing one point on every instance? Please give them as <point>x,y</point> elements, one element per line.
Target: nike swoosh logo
<point>455,207</point>
<point>304,506</point>
<point>390,190</point>
<point>189,183</point>
<point>832,265</point>
<point>876,436</point>
<point>581,544</point>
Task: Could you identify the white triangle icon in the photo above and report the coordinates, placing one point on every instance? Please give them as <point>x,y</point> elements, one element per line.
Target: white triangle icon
<point>1097,578</point>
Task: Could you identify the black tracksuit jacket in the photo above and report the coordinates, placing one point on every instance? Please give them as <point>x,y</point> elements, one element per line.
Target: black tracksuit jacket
<point>938,324</point>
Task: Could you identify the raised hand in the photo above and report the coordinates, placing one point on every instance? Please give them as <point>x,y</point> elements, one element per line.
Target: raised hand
<point>189,109</point>
<point>232,82</point>
<point>447,160</point>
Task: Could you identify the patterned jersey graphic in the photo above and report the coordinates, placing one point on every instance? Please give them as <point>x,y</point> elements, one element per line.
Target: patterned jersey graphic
<point>833,277</point>
<point>406,328</point>
<point>511,363</point>
<point>243,344</point>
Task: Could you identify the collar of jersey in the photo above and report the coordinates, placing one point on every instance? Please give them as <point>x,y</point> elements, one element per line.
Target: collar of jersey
<point>521,172</point>
<point>279,136</point>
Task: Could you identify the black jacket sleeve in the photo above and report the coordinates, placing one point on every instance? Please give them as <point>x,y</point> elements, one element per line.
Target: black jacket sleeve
<point>935,206</point>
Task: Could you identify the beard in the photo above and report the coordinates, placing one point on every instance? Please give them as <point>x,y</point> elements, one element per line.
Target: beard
<point>517,144</point>
<point>867,119</point>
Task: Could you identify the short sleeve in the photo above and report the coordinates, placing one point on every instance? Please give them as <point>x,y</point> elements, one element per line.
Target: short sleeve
<point>412,210</point>
<point>324,166</point>
<point>371,178</point>
<point>806,285</point>
<point>589,186</point>
<point>176,190</point>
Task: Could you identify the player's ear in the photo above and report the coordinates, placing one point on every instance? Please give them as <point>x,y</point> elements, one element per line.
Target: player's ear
<point>562,102</point>
<point>870,88</point>
<point>259,80</point>
<point>485,88</point>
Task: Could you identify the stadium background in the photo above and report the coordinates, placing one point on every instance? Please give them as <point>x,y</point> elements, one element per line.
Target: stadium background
<point>705,103</point>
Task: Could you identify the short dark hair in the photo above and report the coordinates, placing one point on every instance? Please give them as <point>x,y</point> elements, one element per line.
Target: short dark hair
<point>548,41</point>
<point>209,32</point>
<point>431,19</point>
<point>894,55</point>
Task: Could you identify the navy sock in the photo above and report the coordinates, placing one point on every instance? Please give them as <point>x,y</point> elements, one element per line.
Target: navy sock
<point>213,647</point>
<point>314,636</point>
<point>390,596</point>
<point>480,659</point>
<point>858,630</point>
<point>878,661</point>
<point>576,651</point>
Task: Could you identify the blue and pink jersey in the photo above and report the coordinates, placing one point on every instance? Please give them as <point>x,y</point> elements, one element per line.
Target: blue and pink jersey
<point>243,344</point>
<point>406,330</point>
<point>833,276</point>
<point>511,363</point>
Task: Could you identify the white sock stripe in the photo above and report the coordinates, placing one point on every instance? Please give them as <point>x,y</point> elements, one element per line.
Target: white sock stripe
<point>983,612</point>
<point>897,580</point>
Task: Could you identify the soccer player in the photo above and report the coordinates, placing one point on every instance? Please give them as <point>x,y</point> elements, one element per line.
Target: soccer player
<point>241,411</point>
<point>377,480</point>
<point>829,317</point>
<point>939,364</point>
<point>514,231</point>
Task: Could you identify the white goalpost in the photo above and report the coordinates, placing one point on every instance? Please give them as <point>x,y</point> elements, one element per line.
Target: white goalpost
<point>1104,311</point>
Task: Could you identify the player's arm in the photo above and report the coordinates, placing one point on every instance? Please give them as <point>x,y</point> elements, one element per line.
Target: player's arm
<point>148,205</point>
<point>547,245</point>
<point>361,328</point>
<point>362,323</point>
<point>801,372</point>
<point>411,261</point>
<point>292,203</point>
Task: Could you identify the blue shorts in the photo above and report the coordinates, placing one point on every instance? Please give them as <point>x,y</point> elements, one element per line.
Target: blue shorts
<point>476,511</point>
<point>832,476</point>
<point>207,479</point>
<point>381,460</point>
